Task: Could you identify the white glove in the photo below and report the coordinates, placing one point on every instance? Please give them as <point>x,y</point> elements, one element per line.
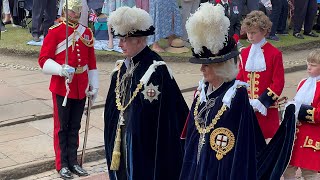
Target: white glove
<point>93,94</point>
<point>93,85</point>
<point>51,67</point>
<point>258,106</point>
<point>67,71</point>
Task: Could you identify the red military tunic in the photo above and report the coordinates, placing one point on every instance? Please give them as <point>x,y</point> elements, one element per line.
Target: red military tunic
<point>269,82</point>
<point>82,55</point>
<point>306,150</point>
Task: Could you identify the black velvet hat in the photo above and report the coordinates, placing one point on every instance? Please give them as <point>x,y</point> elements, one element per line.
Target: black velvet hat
<point>136,33</point>
<point>207,31</point>
<point>229,51</point>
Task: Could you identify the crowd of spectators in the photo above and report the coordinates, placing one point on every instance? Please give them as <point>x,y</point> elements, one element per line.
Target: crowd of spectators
<point>283,14</point>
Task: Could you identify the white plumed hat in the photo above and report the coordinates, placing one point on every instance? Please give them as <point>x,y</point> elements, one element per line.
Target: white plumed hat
<point>131,22</point>
<point>207,31</point>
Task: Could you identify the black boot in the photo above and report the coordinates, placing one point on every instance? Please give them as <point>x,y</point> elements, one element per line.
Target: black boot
<point>65,173</point>
<point>76,169</point>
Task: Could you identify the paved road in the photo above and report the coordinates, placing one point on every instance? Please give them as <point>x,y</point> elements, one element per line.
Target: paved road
<point>24,95</point>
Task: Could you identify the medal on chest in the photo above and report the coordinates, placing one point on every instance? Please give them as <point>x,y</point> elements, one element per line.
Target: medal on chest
<point>151,92</point>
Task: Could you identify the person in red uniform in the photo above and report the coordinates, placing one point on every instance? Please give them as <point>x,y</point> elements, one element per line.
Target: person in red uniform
<point>306,154</point>
<point>262,68</point>
<point>82,76</point>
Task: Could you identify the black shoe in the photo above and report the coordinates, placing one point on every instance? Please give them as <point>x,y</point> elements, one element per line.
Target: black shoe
<point>65,173</point>
<point>311,34</point>
<point>273,37</point>
<point>298,35</point>
<point>76,169</point>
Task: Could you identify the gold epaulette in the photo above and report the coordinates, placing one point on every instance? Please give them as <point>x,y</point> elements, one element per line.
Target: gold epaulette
<point>55,25</point>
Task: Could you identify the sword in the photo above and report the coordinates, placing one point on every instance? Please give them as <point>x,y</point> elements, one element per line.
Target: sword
<point>67,80</point>
<point>86,131</point>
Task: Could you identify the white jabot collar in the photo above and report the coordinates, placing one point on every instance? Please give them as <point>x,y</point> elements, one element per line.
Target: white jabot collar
<point>256,61</point>
<point>306,92</point>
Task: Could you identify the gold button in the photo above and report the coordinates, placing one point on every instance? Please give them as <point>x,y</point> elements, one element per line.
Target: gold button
<point>299,123</point>
<point>257,75</point>
<point>78,55</point>
<point>77,44</point>
<point>256,89</point>
<point>256,82</point>
<point>78,50</point>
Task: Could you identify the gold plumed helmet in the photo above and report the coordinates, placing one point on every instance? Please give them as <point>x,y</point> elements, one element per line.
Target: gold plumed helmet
<point>74,5</point>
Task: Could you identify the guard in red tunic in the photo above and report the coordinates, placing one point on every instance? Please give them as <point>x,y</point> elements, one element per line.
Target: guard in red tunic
<point>306,150</point>
<point>72,80</point>
<point>261,66</point>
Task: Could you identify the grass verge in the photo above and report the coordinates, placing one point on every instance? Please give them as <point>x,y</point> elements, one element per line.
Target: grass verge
<point>14,41</point>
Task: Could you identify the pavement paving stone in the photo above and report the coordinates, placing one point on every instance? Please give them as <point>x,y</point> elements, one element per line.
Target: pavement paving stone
<point>10,95</point>
<point>17,132</point>
<point>23,109</point>
<point>43,125</point>
<point>28,79</point>
<point>28,149</point>
<point>6,161</point>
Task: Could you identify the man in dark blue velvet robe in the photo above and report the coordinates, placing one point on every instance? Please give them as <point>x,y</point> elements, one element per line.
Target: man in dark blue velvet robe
<point>223,138</point>
<point>145,110</point>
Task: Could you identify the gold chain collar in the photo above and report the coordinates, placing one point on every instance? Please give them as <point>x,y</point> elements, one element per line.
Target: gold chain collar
<point>214,121</point>
<point>120,106</point>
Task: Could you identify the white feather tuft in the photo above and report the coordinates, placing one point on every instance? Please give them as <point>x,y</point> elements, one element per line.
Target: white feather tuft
<point>208,27</point>
<point>125,20</point>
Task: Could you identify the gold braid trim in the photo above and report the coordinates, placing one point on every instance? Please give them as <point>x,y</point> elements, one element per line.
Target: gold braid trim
<point>115,162</point>
<point>88,43</point>
<point>273,95</point>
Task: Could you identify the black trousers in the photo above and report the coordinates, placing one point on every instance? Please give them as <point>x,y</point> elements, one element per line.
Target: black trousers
<point>305,13</point>
<point>14,12</point>
<point>279,16</point>
<point>44,13</point>
<point>67,123</point>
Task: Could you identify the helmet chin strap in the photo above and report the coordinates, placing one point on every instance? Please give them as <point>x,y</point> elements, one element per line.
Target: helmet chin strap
<point>73,20</point>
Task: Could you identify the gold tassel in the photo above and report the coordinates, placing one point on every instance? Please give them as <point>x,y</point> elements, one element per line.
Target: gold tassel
<point>115,162</point>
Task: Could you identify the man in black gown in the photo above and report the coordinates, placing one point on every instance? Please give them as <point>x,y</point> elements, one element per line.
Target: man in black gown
<point>145,110</point>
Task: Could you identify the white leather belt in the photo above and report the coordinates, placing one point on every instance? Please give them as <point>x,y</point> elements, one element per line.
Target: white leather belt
<point>79,70</point>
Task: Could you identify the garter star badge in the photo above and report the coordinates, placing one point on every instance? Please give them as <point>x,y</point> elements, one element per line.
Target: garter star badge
<point>222,141</point>
<point>151,92</point>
